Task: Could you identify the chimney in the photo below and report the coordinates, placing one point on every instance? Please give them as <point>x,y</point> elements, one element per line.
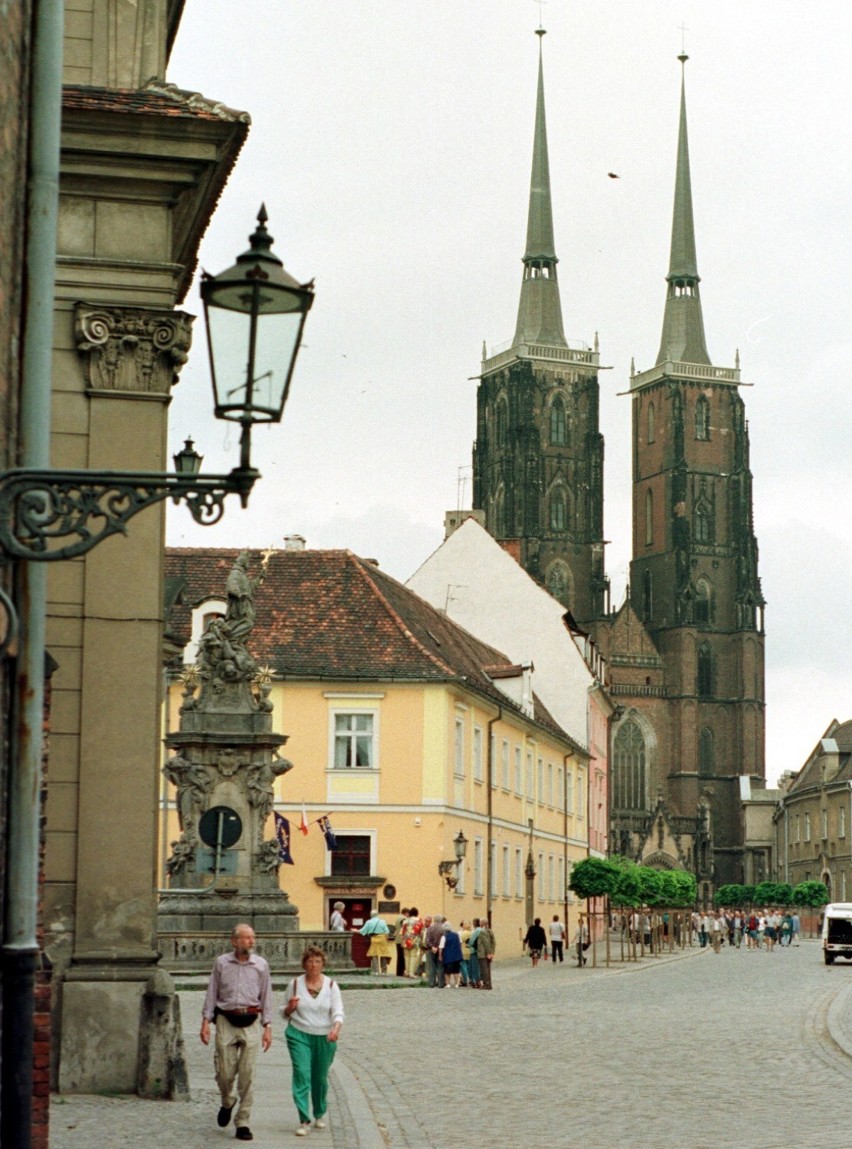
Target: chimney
<point>294,543</point>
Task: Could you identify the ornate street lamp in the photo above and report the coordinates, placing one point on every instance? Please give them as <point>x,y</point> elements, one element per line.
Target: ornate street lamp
<point>255,316</point>
<point>449,871</point>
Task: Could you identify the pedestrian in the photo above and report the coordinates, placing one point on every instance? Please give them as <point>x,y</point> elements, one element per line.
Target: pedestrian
<point>795,927</point>
<point>431,943</point>
<point>557,939</point>
<point>379,953</point>
<point>535,941</point>
<point>450,956</point>
<point>475,977</point>
<point>411,931</point>
<point>717,929</point>
<point>464,937</point>
<point>239,1004</point>
<point>581,942</point>
<point>337,922</point>
<point>314,1014</point>
<point>485,949</point>
<point>399,929</point>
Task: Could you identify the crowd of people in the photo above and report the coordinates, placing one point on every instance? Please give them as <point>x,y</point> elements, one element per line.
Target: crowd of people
<point>757,929</point>
<point>431,949</point>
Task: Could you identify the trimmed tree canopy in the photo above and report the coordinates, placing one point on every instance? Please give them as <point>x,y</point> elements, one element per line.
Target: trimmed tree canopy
<point>811,894</point>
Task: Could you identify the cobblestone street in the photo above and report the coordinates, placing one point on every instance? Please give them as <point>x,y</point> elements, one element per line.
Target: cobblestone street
<point>735,1049</point>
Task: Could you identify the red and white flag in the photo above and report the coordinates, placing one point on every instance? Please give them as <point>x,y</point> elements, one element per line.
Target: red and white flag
<point>303,825</point>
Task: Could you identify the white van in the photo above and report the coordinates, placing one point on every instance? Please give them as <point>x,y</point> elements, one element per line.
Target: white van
<point>837,931</point>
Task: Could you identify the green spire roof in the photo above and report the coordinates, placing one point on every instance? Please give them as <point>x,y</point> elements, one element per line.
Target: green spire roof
<point>683,324</point>
<point>540,310</point>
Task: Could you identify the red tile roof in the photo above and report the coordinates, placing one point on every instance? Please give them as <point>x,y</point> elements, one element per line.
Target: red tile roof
<point>157,98</point>
<point>333,615</point>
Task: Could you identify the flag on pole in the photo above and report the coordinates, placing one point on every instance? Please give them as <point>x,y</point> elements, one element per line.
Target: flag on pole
<point>303,825</point>
<point>282,833</point>
<point>328,833</point>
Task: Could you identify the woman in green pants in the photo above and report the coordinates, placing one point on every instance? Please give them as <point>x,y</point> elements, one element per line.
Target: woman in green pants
<point>314,1012</point>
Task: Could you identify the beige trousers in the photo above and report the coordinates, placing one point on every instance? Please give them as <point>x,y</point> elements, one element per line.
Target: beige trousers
<point>234,1055</point>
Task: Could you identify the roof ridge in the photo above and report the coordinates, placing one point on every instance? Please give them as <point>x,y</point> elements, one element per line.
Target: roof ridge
<point>196,100</point>
<point>358,563</point>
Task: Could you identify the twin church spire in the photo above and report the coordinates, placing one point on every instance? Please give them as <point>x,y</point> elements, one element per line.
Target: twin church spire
<point>683,324</point>
<point>540,309</point>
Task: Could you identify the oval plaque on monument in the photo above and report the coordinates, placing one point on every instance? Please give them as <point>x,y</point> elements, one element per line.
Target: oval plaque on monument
<point>220,826</point>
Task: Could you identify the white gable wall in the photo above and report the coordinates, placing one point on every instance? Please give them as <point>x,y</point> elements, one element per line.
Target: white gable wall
<point>482,588</point>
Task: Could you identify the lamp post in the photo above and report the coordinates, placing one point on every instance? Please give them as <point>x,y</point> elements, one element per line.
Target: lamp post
<point>449,871</point>
<point>50,515</point>
<point>255,316</point>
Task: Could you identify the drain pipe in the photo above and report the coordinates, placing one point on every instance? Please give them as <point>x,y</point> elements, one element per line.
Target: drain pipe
<point>489,877</point>
<point>20,945</point>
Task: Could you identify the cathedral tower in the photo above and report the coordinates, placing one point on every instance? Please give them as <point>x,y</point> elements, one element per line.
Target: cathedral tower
<point>538,456</point>
<point>693,577</point>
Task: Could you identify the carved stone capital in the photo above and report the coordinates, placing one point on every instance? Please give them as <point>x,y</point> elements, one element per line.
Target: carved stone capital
<point>132,350</point>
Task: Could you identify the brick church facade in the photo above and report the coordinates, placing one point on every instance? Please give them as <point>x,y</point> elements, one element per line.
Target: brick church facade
<point>686,649</point>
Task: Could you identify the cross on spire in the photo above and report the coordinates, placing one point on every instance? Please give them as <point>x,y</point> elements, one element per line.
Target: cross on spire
<point>540,13</point>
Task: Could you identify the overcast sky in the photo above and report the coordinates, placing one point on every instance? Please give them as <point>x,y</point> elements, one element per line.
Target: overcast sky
<point>391,143</point>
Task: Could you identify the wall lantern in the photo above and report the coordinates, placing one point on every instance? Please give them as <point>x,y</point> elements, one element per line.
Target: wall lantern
<point>449,871</point>
<point>255,315</point>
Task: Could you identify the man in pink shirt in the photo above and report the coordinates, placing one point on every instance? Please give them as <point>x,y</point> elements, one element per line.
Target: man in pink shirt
<point>239,1003</point>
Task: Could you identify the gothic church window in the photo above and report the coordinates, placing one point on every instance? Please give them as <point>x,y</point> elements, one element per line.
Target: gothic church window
<point>702,521</point>
<point>557,579</point>
<point>629,763</point>
<point>500,513</point>
<point>649,517</point>
<point>502,423</point>
<point>651,427</point>
<point>703,605</point>
<point>704,676</point>
<point>702,418</point>
<point>705,753</point>
<point>647,597</point>
<point>558,423</point>
<point>558,510</point>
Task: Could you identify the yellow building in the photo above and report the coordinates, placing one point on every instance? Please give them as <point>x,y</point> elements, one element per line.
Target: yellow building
<point>404,730</point>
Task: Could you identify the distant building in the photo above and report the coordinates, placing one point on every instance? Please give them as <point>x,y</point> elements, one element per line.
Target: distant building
<point>813,823</point>
<point>477,584</point>
<point>406,730</point>
<point>686,650</point>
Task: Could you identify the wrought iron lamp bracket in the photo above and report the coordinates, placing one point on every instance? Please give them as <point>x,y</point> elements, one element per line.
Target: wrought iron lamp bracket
<point>48,516</point>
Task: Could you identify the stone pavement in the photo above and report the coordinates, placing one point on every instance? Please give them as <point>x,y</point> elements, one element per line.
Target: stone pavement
<point>736,1049</point>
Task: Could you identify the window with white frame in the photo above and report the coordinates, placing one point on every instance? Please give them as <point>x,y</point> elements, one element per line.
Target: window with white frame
<point>458,748</point>
<point>807,827</point>
<point>477,753</point>
<point>460,885</point>
<point>841,823</point>
<point>493,855</point>
<point>560,788</point>
<point>505,763</point>
<point>569,791</point>
<point>824,819</point>
<point>843,885</point>
<point>560,887</point>
<point>540,767</point>
<point>530,777</point>
<point>550,783</point>
<point>478,885</point>
<point>493,765</point>
<point>798,829</point>
<point>581,792</point>
<point>519,872</point>
<point>519,776</point>
<point>355,741</point>
<point>551,877</point>
<point>507,872</point>
<point>541,879</point>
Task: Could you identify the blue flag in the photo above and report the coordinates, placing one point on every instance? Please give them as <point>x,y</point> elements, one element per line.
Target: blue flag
<point>328,833</point>
<point>282,833</point>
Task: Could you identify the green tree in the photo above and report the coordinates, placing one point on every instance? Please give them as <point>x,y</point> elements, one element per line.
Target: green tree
<point>627,889</point>
<point>783,894</point>
<point>730,895</point>
<point>650,885</point>
<point>593,878</point>
<point>766,893</point>
<point>812,894</point>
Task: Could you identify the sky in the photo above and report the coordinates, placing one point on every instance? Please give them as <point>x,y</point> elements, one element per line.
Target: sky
<point>391,142</point>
